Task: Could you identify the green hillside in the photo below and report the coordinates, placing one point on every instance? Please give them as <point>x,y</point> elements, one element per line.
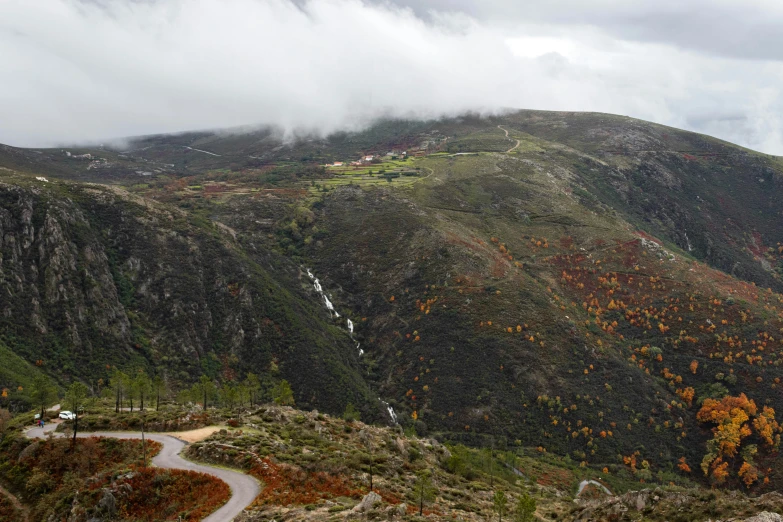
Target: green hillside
<point>593,286</point>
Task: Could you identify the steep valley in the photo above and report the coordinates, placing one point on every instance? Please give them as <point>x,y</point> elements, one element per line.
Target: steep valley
<point>607,291</point>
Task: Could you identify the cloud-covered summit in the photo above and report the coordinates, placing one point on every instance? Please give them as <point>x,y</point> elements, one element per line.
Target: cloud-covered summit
<point>89,70</point>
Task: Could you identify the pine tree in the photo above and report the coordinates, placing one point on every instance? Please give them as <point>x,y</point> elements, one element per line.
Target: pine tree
<point>526,508</point>
<point>499,502</point>
<point>75,396</point>
<point>283,394</point>
<point>43,392</point>
<point>253,385</point>
<point>424,490</point>
<point>159,387</point>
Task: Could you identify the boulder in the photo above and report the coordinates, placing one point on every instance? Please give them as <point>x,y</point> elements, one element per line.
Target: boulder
<point>640,503</point>
<point>765,516</point>
<point>400,510</point>
<point>107,504</point>
<point>368,502</point>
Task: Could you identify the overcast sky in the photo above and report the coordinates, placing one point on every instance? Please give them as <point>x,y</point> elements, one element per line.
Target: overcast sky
<point>74,70</point>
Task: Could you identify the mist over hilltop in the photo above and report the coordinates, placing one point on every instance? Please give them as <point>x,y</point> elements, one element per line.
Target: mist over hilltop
<point>91,70</point>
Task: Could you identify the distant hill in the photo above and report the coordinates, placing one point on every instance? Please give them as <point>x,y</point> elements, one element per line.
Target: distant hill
<point>577,282</point>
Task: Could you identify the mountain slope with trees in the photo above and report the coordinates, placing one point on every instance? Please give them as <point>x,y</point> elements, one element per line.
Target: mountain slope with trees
<point>590,285</point>
<point>95,278</point>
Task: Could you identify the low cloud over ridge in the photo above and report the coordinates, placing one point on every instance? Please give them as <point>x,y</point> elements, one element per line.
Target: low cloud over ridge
<point>90,70</point>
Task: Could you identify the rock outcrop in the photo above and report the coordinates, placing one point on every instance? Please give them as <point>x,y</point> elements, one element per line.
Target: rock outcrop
<point>94,277</point>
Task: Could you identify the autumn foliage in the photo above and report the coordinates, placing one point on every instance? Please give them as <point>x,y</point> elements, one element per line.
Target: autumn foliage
<point>49,469</point>
<point>735,419</point>
<point>285,485</point>
<point>91,455</point>
<point>46,470</point>
<point>158,494</point>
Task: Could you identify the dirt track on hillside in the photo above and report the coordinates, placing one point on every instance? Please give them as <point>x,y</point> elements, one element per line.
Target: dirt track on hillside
<point>244,489</point>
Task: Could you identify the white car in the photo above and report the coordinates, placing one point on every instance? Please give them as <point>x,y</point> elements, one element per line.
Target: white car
<point>67,415</point>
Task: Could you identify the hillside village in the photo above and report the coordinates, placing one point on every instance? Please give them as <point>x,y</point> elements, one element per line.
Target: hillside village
<point>424,147</point>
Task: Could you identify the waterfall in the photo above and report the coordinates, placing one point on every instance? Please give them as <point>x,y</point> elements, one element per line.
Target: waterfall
<point>688,241</point>
<point>350,326</point>
<point>329,306</point>
<point>320,290</point>
<point>389,409</point>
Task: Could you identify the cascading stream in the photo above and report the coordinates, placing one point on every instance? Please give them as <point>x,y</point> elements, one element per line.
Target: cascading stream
<point>389,409</point>
<point>320,290</point>
<point>349,325</point>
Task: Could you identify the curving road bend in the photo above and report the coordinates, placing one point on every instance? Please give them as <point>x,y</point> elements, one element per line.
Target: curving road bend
<point>509,137</point>
<point>585,483</point>
<point>244,489</point>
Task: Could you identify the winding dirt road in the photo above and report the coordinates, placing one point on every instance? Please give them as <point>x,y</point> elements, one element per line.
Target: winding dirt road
<point>515,146</point>
<point>244,489</point>
<point>585,483</point>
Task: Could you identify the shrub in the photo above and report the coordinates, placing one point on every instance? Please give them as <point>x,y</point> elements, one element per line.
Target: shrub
<point>351,414</point>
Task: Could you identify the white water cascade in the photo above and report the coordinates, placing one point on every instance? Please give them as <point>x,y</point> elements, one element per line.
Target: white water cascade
<point>330,307</point>
<point>690,248</point>
<point>349,325</point>
<point>389,409</point>
<point>320,290</point>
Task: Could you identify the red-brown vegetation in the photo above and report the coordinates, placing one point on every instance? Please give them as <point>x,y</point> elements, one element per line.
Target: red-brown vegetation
<point>285,485</point>
<point>164,494</point>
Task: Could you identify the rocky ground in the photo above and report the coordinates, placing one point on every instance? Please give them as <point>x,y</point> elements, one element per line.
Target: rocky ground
<point>292,452</point>
<point>681,506</point>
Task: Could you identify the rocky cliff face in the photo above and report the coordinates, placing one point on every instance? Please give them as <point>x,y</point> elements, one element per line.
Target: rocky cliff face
<point>92,278</point>
<point>56,280</point>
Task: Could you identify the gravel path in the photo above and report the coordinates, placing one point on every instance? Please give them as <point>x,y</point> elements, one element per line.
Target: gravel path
<point>244,489</point>
<point>507,136</point>
<point>585,483</point>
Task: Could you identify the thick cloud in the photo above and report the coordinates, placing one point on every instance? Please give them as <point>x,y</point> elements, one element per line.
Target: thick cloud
<point>733,28</point>
<point>90,70</point>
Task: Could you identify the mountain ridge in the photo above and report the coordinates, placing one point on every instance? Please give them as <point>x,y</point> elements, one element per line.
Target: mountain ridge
<point>503,288</point>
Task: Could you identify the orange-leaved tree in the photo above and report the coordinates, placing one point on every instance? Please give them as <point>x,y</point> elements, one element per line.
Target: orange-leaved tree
<point>735,443</point>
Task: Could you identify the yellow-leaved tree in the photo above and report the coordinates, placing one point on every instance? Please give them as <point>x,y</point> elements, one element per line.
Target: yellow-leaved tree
<point>738,431</point>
